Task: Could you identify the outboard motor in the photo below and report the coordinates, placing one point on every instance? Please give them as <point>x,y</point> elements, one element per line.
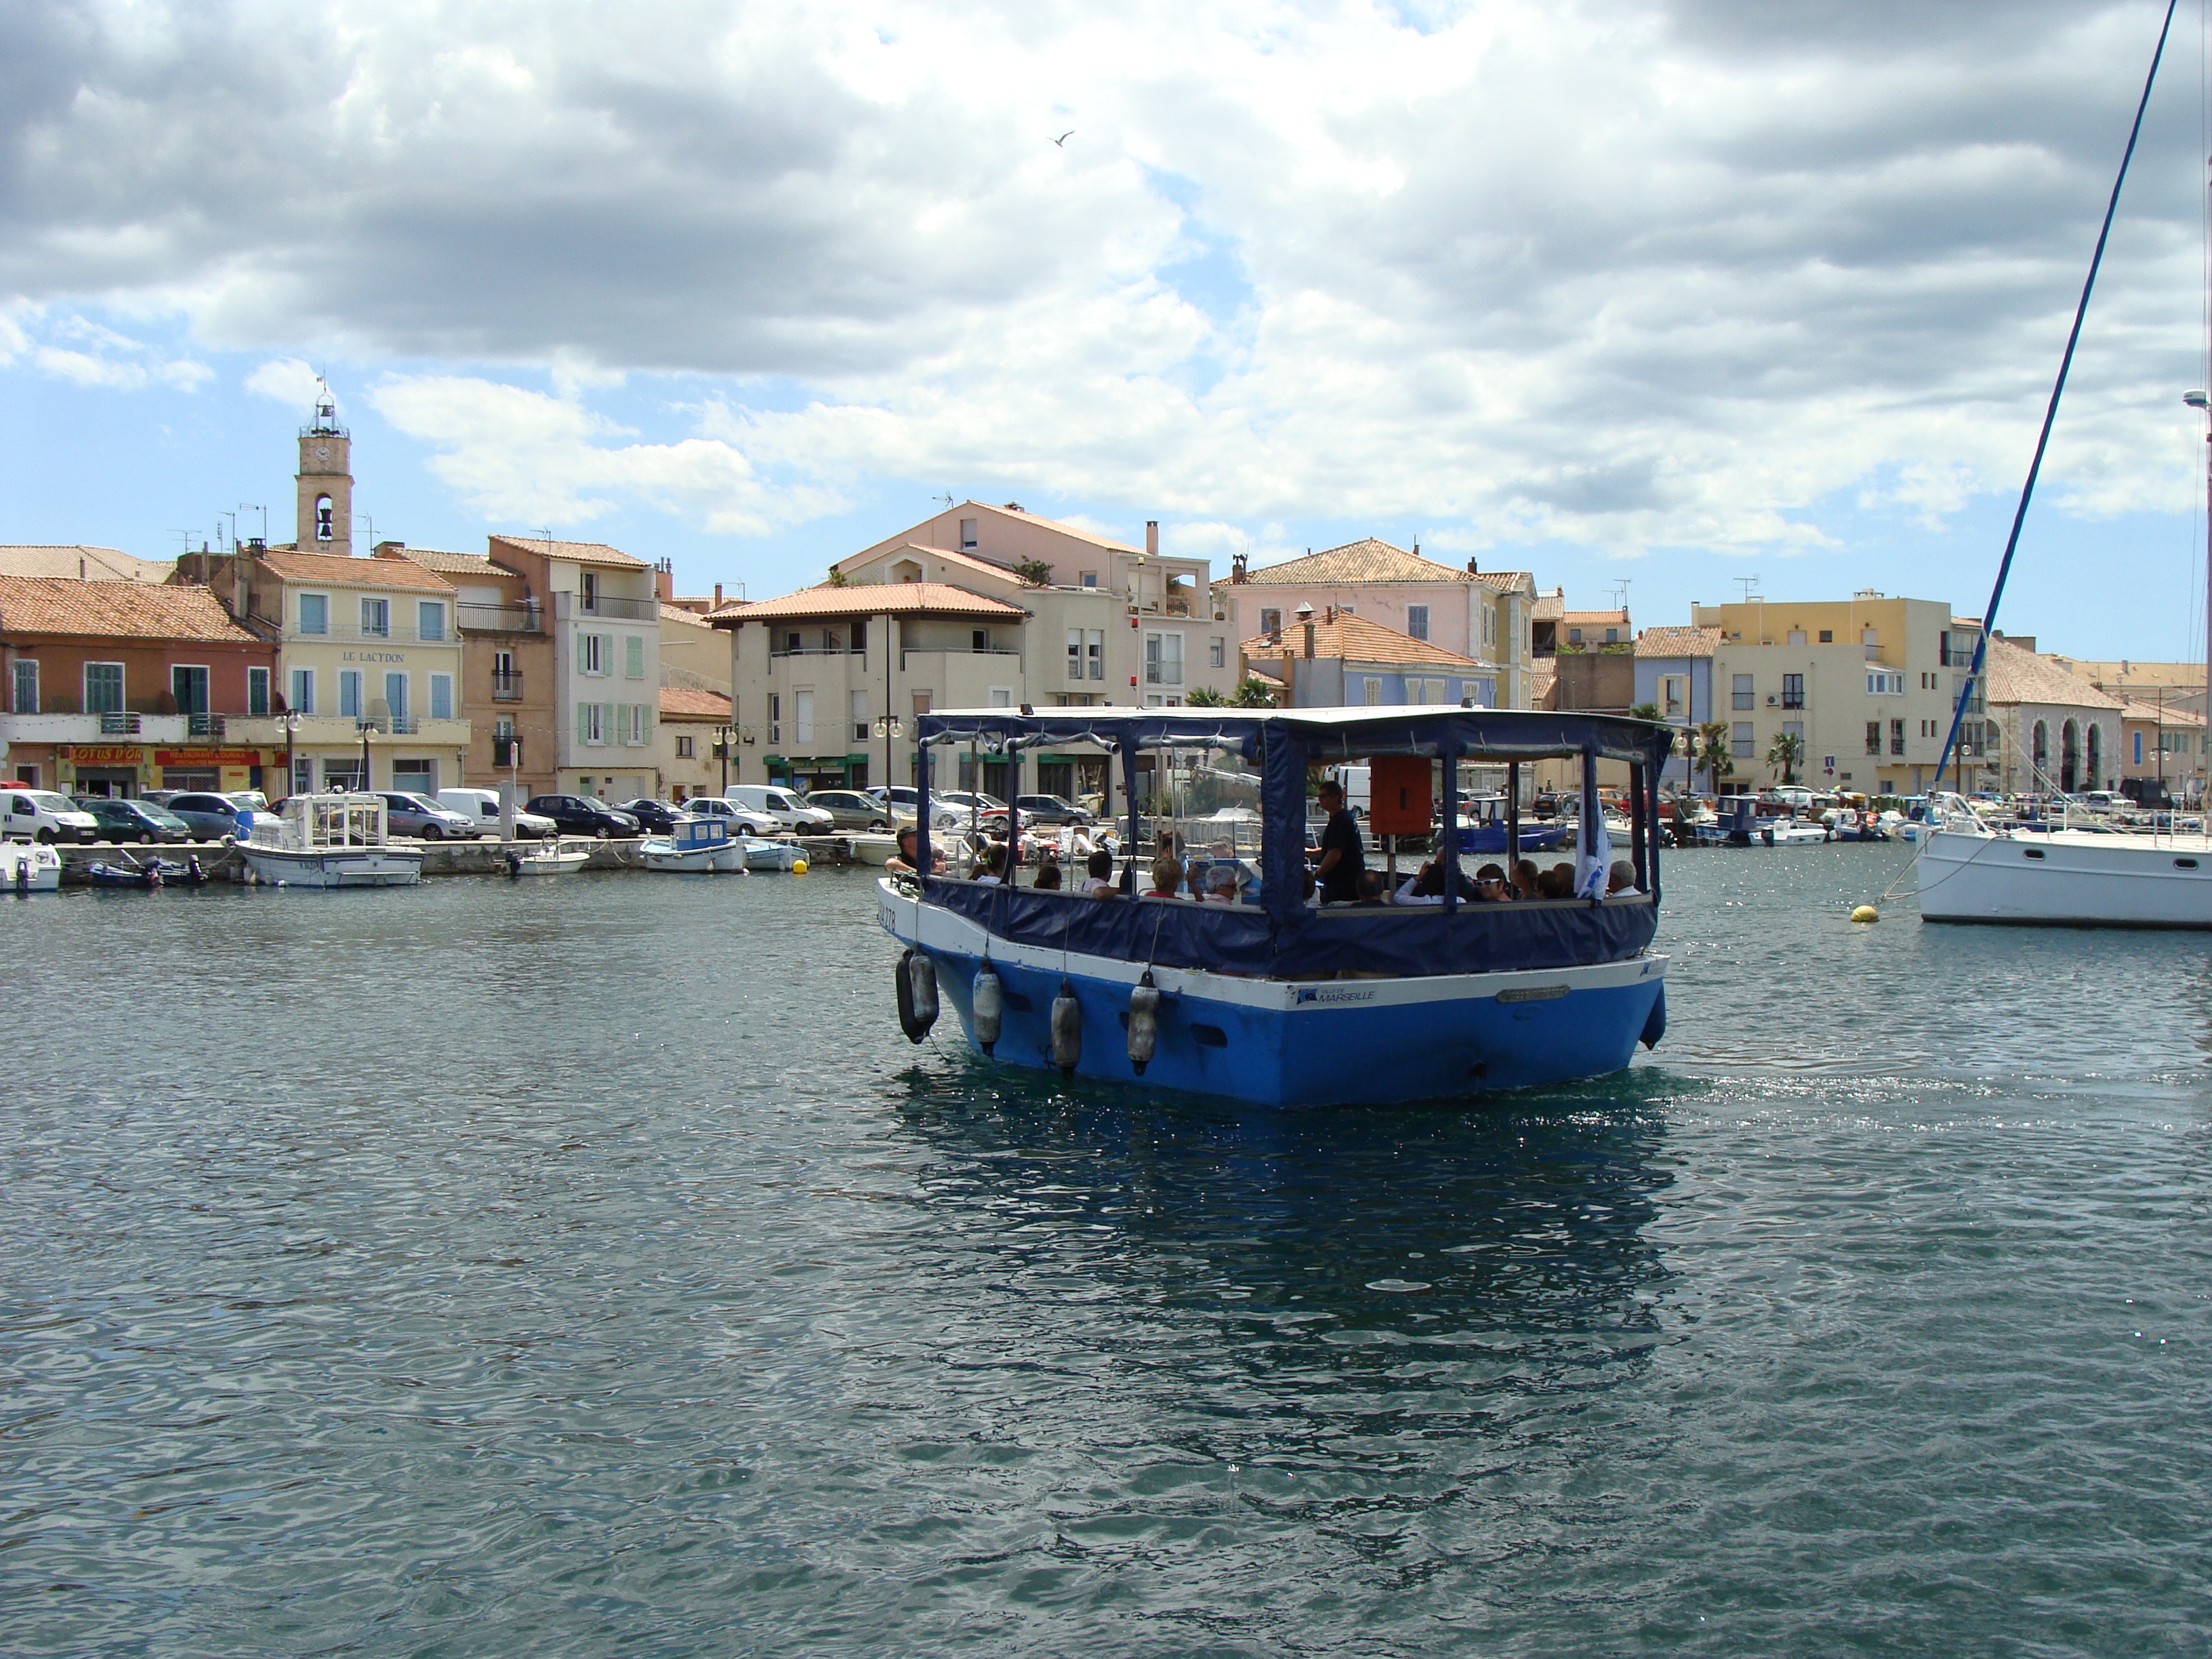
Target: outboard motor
<point>1066,1030</point>
<point>1143,1023</point>
<point>515,866</point>
<point>989,1002</point>
<point>917,994</point>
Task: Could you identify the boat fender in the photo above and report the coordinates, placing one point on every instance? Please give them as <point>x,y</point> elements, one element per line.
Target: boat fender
<point>1654,1026</point>
<point>1143,1023</point>
<point>1066,1030</point>
<point>198,875</point>
<point>985,994</point>
<point>917,995</point>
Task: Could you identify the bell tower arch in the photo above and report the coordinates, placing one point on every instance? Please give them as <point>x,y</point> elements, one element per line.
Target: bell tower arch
<point>326,480</point>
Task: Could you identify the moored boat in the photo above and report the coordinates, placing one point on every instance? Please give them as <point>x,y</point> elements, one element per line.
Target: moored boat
<point>784,857</point>
<point>549,858</point>
<point>874,850</point>
<point>1278,1001</point>
<point>1973,871</point>
<point>329,840</point>
<point>695,846</point>
<point>29,866</point>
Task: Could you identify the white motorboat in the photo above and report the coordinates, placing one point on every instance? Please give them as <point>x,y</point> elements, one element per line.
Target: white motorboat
<point>696,847</point>
<point>29,866</point>
<point>785,857</point>
<point>2066,878</point>
<point>873,850</point>
<point>329,840</point>
<point>552,858</point>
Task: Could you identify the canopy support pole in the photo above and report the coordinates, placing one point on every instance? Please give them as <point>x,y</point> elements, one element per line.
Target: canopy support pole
<point>923,863</point>
<point>1512,819</point>
<point>1449,754</point>
<point>1129,783</point>
<point>1639,805</point>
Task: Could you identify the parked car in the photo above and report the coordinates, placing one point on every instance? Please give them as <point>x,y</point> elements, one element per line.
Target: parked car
<point>780,804</point>
<point>660,816</point>
<point>481,807</point>
<point>406,813</point>
<point>121,820</point>
<point>210,817</point>
<point>1049,811</point>
<point>583,815</point>
<point>963,808</point>
<point>849,808</point>
<point>901,798</point>
<point>741,822</point>
<point>41,815</point>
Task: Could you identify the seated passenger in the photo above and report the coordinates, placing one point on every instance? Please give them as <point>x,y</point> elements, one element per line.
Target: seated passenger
<point>1099,882</point>
<point>1167,877</point>
<point>1490,886</point>
<point>990,867</point>
<point>1620,881</point>
<point>901,863</point>
<point>1048,877</point>
<point>1220,886</point>
<point>1369,889</point>
<point>1556,883</point>
<point>1524,879</point>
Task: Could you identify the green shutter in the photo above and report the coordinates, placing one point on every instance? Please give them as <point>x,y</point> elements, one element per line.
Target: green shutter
<point>583,722</point>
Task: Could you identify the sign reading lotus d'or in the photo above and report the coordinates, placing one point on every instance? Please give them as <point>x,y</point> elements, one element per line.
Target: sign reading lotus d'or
<point>207,757</point>
<point>93,754</point>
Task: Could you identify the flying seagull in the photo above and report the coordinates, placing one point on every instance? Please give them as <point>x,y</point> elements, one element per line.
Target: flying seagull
<point>1062,140</point>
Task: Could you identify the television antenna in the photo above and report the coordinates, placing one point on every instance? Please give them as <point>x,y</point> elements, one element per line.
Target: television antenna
<point>1620,592</point>
<point>1747,584</point>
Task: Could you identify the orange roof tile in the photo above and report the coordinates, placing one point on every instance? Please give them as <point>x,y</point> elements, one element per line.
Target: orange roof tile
<point>597,553</point>
<point>680,704</point>
<point>341,571</point>
<point>1356,639</point>
<point>877,600</point>
<point>1369,560</point>
<point>126,610</point>
<point>1678,642</point>
<point>81,562</point>
<point>2014,674</point>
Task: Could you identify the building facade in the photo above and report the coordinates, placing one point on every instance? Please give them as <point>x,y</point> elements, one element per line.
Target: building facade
<point>1485,617</point>
<point>1866,685</point>
<point>1675,676</point>
<point>604,609</point>
<point>2055,732</point>
<point>1335,660</point>
<point>2165,744</point>
<point>508,676</point>
<point>117,687</point>
<point>690,740</point>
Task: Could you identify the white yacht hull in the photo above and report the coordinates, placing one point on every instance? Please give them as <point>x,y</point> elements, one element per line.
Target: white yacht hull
<point>2066,880</point>
<point>729,858</point>
<point>358,866</point>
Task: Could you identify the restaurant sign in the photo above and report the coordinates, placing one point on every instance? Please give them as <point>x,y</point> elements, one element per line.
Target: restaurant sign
<point>207,757</point>
<point>93,754</point>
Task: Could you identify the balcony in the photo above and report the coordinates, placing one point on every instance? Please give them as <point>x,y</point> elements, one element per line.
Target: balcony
<point>602,605</point>
<point>53,725</point>
<point>500,619</point>
<point>205,726</point>
<point>507,687</point>
<point>343,730</point>
<point>775,651</point>
<point>336,634</point>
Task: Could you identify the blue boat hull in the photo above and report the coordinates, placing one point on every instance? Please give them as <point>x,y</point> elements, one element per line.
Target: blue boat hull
<point>1329,1043</point>
<point>1491,838</point>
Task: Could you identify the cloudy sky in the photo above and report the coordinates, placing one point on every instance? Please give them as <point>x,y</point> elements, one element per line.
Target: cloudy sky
<point>1673,293</point>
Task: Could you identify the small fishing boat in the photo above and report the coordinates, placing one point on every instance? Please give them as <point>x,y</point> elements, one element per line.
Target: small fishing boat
<point>695,846</point>
<point>874,850</point>
<point>550,858</point>
<point>1281,1001</point>
<point>1485,823</point>
<point>784,857</point>
<point>160,872</point>
<point>29,866</point>
<point>328,840</point>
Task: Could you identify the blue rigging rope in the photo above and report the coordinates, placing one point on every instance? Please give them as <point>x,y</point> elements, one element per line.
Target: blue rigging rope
<point>2050,414</point>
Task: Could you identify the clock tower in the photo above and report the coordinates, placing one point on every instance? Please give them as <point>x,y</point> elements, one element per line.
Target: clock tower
<point>326,481</point>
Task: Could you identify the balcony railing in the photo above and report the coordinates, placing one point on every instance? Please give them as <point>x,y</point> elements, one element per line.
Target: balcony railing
<point>204,725</point>
<point>117,724</point>
<point>500,619</point>
<point>602,605</point>
<point>346,635</point>
<point>404,726</point>
<point>819,650</point>
<point>507,687</point>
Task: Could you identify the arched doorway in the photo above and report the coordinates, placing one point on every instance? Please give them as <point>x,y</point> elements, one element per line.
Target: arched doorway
<point>2069,757</point>
<point>2096,779</point>
<point>2039,777</point>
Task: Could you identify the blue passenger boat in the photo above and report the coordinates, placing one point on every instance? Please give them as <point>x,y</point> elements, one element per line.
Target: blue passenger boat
<point>1282,1001</point>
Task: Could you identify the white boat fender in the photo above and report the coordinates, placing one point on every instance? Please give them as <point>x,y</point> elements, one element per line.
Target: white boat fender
<point>1143,1023</point>
<point>917,994</point>
<point>1066,1030</point>
<point>988,1001</point>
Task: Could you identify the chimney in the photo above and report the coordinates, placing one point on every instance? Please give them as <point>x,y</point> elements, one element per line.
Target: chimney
<point>1416,550</point>
<point>1152,538</point>
<point>241,590</point>
<point>1236,569</point>
<point>664,580</point>
<point>717,596</point>
<point>1310,639</point>
<point>1471,569</point>
<point>391,551</point>
<point>1329,616</point>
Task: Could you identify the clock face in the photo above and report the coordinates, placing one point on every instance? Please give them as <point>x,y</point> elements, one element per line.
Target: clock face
<point>322,452</point>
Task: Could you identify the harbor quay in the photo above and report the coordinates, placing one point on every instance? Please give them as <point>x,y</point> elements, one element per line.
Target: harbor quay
<point>220,861</point>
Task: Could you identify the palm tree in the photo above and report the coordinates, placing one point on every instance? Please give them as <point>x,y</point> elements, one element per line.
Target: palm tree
<point>1205,696</point>
<point>1787,750</point>
<point>1253,692</point>
<point>1710,748</point>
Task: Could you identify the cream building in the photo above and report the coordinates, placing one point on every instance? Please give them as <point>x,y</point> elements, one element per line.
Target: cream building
<point>1484,616</point>
<point>2056,732</point>
<point>1866,683</point>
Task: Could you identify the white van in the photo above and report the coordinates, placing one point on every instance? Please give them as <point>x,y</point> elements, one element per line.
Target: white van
<point>781,805</point>
<point>481,808</point>
<point>41,815</point>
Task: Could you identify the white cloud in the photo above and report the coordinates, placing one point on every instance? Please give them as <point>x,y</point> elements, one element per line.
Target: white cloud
<point>1634,275</point>
<point>288,381</point>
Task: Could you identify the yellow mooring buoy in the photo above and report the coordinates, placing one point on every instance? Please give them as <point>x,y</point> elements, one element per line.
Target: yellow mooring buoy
<point>798,867</point>
<point>1866,913</point>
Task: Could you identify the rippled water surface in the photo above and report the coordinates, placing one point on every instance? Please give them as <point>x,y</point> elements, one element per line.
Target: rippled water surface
<point>587,1267</point>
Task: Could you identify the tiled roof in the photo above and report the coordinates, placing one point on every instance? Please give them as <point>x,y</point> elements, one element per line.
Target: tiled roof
<point>1369,560</point>
<point>80,561</point>
<point>2018,675</point>
<point>1678,642</point>
<point>880,600</point>
<point>677,703</point>
<point>2155,714</point>
<point>130,609</point>
<point>1356,639</point>
<point>341,571</point>
<point>676,613</point>
<point>966,561</point>
<point>450,564</point>
<point>597,553</point>
<point>1540,682</point>
<point>727,609</point>
<point>1010,511</point>
<point>1594,618</point>
<point>1551,607</point>
<point>1504,581</point>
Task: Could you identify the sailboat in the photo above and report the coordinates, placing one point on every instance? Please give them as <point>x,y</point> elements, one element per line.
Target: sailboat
<point>1972,870</point>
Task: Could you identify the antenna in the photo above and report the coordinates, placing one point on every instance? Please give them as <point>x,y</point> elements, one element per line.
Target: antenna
<point>184,538</point>
<point>1749,583</point>
<point>946,498</point>
<point>1620,592</point>
<point>256,506</point>
<point>371,523</point>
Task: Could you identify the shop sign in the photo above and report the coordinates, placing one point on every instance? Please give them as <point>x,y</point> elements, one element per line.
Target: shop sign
<point>92,754</point>
<point>207,757</point>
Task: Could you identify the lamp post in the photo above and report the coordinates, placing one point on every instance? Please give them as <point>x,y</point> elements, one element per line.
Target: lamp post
<point>724,737</point>
<point>290,721</point>
<point>890,728</point>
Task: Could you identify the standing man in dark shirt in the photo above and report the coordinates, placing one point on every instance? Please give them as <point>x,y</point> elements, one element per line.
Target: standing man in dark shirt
<point>1341,858</point>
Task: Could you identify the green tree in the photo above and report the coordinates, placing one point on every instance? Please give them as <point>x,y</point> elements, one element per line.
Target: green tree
<point>1787,750</point>
<point>1206,696</point>
<point>1645,711</point>
<point>1712,751</point>
<point>837,578</point>
<point>1253,692</point>
<point>1035,572</point>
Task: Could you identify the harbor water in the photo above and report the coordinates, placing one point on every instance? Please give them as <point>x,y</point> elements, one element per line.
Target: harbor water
<point>590,1266</point>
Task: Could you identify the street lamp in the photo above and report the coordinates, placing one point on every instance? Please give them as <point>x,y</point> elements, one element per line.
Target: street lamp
<point>724,737</point>
<point>289,720</point>
<point>890,728</point>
